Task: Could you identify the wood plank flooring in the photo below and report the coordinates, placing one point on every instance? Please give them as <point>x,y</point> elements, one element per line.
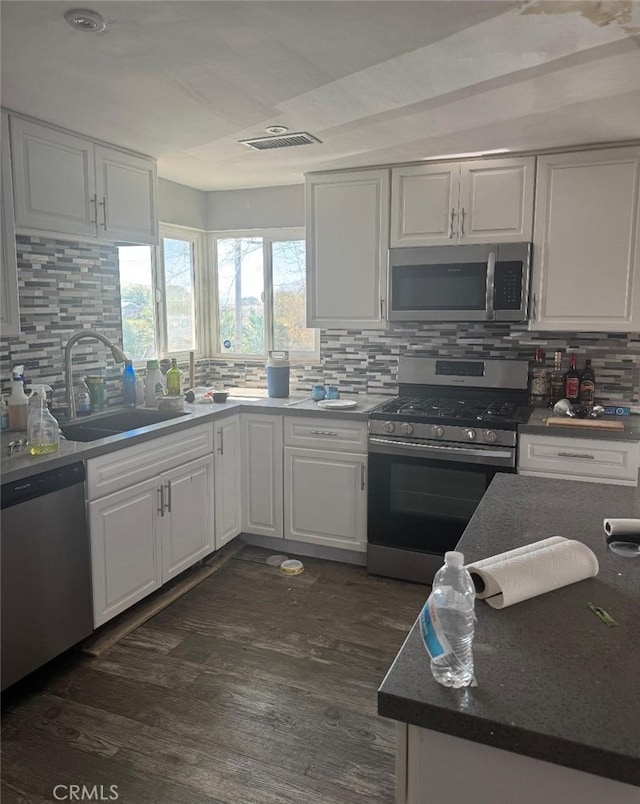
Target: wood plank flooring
<point>253,688</point>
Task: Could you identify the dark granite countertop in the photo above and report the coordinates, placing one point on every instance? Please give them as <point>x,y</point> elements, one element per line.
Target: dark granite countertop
<point>554,682</point>
<point>20,465</point>
<point>537,425</point>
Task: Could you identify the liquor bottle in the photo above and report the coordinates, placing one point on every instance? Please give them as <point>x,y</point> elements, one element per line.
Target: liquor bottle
<point>587,384</point>
<point>539,380</point>
<point>174,379</point>
<point>556,380</point>
<point>572,381</point>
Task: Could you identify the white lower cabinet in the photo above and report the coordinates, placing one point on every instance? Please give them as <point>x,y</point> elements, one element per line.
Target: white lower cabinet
<point>149,519</point>
<point>262,490</point>
<point>228,479</point>
<point>325,497</point>
<point>591,459</point>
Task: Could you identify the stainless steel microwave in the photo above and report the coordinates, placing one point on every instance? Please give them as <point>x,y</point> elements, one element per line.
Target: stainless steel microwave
<point>460,283</point>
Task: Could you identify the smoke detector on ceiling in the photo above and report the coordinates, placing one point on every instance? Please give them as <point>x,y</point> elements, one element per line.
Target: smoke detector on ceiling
<point>280,141</point>
<point>83,19</point>
<point>276,130</point>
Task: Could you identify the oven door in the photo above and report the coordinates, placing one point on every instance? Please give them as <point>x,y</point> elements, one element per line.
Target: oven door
<point>421,499</point>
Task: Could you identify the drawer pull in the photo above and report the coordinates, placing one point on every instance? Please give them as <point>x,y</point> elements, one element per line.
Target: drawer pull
<point>576,455</point>
<point>323,432</point>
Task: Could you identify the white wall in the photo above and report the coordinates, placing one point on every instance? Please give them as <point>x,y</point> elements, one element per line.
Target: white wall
<point>258,208</point>
<point>181,205</point>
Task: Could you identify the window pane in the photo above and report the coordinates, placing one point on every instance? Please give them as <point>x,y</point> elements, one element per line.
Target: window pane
<point>179,294</point>
<point>241,294</point>
<point>289,297</point>
<point>136,299</point>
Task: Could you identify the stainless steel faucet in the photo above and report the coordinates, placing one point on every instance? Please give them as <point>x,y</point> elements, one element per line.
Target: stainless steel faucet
<point>118,355</point>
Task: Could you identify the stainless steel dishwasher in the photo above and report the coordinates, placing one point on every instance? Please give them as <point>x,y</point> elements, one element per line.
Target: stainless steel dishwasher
<point>45,571</point>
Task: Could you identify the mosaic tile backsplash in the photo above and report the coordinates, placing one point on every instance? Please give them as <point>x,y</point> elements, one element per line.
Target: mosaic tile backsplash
<point>66,286</point>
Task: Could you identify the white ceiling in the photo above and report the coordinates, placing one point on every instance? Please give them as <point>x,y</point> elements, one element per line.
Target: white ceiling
<point>377,82</point>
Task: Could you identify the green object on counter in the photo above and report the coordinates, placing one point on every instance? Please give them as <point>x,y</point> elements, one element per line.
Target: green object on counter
<point>95,383</point>
<point>174,379</point>
<point>606,618</point>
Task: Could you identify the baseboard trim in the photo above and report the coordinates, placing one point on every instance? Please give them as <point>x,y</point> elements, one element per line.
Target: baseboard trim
<point>290,547</point>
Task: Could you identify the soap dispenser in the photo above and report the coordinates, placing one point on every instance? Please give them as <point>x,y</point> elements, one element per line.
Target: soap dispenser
<point>43,433</point>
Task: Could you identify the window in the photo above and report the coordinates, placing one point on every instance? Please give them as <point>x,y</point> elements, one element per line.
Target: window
<point>261,295</point>
<point>158,295</point>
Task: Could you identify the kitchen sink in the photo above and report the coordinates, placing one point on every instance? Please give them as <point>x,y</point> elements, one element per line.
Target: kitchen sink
<point>122,421</point>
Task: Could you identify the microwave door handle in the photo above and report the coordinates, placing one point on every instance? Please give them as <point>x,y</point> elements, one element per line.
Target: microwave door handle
<point>491,275</point>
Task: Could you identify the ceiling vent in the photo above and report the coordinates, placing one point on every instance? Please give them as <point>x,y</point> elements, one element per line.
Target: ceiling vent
<point>280,141</point>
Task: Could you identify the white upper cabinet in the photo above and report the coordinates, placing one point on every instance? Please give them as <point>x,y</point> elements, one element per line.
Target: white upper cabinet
<point>484,201</point>
<point>54,180</point>
<point>126,192</point>
<point>69,185</point>
<point>586,252</point>
<point>347,228</point>
<point>9,304</point>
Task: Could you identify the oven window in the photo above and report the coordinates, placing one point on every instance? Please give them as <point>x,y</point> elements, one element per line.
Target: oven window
<point>440,287</point>
<point>435,493</point>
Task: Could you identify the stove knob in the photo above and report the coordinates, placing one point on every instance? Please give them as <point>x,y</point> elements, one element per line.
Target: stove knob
<point>407,429</point>
<point>437,431</point>
<point>389,427</point>
<point>490,436</point>
<point>470,435</point>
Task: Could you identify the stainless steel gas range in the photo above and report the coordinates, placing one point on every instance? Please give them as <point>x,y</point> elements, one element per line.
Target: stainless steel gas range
<point>433,451</point>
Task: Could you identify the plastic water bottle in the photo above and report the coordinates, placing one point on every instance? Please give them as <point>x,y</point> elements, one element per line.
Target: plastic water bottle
<point>447,623</point>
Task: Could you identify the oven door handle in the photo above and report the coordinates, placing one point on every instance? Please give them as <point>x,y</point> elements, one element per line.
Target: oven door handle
<point>494,457</point>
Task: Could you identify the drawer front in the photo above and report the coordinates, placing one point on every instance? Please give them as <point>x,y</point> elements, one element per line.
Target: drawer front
<point>124,468</point>
<point>338,435</point>
<point>579,458</point>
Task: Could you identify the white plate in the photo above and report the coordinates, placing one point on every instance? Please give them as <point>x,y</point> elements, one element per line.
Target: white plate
<point>337,404</point>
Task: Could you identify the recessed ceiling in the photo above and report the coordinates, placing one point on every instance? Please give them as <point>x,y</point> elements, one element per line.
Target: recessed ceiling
<point>376,82</point>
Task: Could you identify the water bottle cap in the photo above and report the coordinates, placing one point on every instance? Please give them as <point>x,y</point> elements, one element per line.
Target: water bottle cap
<point>454,558</point>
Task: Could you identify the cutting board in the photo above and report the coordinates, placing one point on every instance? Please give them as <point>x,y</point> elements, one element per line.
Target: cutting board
<point>589,424</point>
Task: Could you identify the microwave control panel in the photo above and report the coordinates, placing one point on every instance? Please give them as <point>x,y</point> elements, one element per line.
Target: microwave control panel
<point>507,287</point>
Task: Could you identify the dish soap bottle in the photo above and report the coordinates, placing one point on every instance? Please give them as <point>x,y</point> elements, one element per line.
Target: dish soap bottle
<point>129,381</point>
<point>18,401</point>
<point>153,384</point>
<point>43,433</point>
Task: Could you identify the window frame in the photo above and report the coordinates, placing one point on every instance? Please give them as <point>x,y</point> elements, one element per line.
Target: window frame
<point>268,236</point>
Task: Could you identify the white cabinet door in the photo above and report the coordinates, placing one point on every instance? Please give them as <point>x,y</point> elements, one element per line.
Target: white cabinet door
<point>481,201</point>
<point>496,200</point>
<point>9,303</point>
<point>586,246</point>
<point>227,476</point>
<point>262,502</point>
<point>347,228</point>
<point>424,204</point>
<point>54,181</point>
<point>126,190</point>
<point>325,498</point>
<point>187,520</point>
<point>125,552</point>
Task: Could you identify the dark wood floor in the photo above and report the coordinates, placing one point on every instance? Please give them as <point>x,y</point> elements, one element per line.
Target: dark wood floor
<point>253,688</point>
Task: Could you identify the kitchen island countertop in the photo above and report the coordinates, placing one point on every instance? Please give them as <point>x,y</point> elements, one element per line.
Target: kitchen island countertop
<point>554,682</point>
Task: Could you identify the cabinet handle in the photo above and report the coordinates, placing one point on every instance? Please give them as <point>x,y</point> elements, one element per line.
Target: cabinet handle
<point>381,308</point>
<point>576,455</point>
<point>535,306</point>
<point>323,432</point>
<point>94,202</point>
<point>453,214</point>
<point>161,503</point>
<point>462,222</point>
<point>169,497</point>
<point>103,204</point>
<point>362,481</point>
<point>220,443</point>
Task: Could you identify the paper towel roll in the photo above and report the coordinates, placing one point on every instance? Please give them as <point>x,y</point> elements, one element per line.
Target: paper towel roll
<point>622,527</point>
<point>521,574</point>
<point>486,585</point>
